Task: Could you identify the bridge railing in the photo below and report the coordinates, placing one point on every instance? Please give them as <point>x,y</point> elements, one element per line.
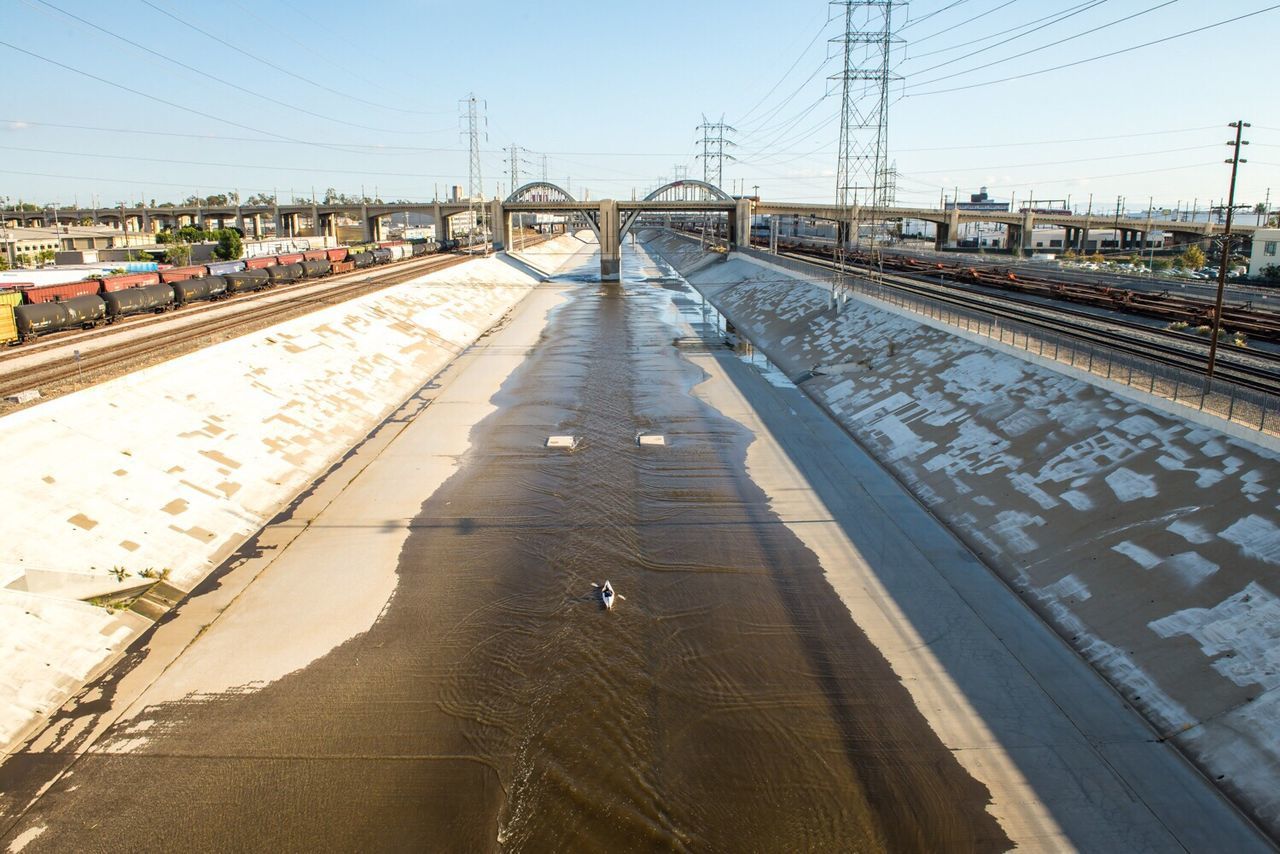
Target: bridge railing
<point>1252,408</point>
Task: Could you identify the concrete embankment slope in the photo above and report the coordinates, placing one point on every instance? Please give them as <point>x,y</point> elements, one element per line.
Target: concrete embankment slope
<point>166,471</point>
<point>1149,541</point>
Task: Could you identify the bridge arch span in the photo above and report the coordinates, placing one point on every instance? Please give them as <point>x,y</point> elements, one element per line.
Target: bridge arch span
<point>688,189</point>
<point>540,191</point>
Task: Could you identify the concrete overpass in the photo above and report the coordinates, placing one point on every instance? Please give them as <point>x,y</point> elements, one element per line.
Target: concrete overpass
<point>612,219</point>
<point>1133,230</point>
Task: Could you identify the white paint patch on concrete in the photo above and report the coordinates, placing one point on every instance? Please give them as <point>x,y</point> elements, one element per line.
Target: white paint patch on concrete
<point>561,441</point>
<point>1190,531</point>
<point>1128,485</point>
<point>1078,500</point>
<point>175,465</point>
<point>1190,498</point>
<point>1136,553</point>
<point>1242,636</point>
<point>1257,537</point>
<point>1191,567</point>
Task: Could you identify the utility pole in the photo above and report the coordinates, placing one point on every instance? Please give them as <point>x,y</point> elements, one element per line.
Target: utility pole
<point>471,108</point>
<point>862,159</point>
<point>1235,160</point>
<point>1146,235</point>
<point>713,146</point>
<point>514,162</point>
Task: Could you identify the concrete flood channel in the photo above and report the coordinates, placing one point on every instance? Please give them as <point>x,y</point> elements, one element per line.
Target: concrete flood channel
<point>735,700</point>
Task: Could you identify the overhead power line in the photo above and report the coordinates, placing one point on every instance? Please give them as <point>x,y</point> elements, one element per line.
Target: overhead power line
<point>1079,10</point>
<point>1107,55</point>
<point>205,74</point>
<point>272,65</point>
<point>909,24</point>
<point>988,37</point>
<point>822,29</point>
<point>1064,40</point>
<point>160,100</point>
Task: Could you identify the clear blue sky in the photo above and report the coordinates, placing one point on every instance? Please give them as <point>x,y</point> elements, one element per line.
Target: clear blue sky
<point>612,92</point>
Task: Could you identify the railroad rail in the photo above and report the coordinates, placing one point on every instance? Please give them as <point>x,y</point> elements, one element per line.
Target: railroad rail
<point>1237,316</point>
<point>163,338</point>
<point>1183,352</point>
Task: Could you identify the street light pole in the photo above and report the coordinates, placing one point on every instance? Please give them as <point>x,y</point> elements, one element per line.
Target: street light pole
<point>1235,160</point>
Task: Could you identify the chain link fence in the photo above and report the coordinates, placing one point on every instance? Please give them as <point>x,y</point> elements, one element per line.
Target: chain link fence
<point>1258,410</point>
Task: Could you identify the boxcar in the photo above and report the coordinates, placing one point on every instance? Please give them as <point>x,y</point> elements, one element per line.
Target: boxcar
<point>291,258</point>
<point>8,325</point>
<point>260,263</point>
<point>181,274</point>
<point>134,280</point>
<point>54,293</point>
<point>223,267</point>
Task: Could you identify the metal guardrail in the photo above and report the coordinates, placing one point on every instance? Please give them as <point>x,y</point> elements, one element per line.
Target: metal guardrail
<point>1257,410</point>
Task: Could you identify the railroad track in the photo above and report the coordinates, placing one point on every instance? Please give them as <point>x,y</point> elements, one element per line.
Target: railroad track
<point>164,339</point>
<point>1237,315</point>
<point>1184,352</point>
<point>61,339</point>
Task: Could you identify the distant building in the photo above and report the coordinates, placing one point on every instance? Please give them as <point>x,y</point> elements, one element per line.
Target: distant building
<point>15,242</point>
<point>1265,253</point>
<point>978,201</point>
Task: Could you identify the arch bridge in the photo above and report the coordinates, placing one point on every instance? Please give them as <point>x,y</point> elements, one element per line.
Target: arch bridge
<point>610,219</point>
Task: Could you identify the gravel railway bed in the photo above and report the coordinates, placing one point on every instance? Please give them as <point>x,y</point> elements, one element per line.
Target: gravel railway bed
<point>63,376</point>
<point>1182,351</point>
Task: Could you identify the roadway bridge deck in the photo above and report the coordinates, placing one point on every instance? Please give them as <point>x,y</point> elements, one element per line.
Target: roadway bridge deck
<point>677,197</point>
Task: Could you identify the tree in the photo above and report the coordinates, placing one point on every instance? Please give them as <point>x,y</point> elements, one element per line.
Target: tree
<point>229,244</point>
<point>4,263</point>
<point>1260,209</point>
<point>261,199</point>
<point>191,234</point>
<point>139,255</point>
<point>1271,273</point>
<point>1193,257</point>
<point>178,254</point>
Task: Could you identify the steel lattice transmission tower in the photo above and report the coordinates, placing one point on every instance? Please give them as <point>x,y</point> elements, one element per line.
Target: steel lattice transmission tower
<point>713,153</point>
<point>475,183</point>
<point>862,167</point>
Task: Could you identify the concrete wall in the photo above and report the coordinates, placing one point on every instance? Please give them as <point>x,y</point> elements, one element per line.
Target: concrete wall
<point>1150,542</point>
<point>174,466</point>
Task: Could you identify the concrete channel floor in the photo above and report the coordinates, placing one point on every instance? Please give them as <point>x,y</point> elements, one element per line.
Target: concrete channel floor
<point>173,746</point>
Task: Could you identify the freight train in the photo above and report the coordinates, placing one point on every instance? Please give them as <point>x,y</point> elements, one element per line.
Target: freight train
<point>33,310</point>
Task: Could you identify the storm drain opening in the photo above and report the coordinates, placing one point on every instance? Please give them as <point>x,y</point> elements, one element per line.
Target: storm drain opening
<point>569,442</point>
<point>643,439</point>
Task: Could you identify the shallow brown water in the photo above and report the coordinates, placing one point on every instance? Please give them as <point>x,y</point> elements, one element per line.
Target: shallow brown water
<point>728,704</point>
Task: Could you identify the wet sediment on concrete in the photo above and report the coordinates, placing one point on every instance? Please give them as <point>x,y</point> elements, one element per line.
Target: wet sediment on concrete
<point>729,702</point>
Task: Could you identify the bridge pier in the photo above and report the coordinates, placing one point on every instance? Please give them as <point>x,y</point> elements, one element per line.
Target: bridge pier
<point>941,235</point>
<point>740,224</point>
<point>500,226</point>
<point>610,242</point>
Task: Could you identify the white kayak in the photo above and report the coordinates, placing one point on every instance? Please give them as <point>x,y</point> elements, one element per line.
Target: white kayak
<point>606,595</point>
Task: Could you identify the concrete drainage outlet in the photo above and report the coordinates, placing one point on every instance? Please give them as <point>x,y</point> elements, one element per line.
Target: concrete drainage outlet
<point>569,442</point>
<point>643,439</point>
